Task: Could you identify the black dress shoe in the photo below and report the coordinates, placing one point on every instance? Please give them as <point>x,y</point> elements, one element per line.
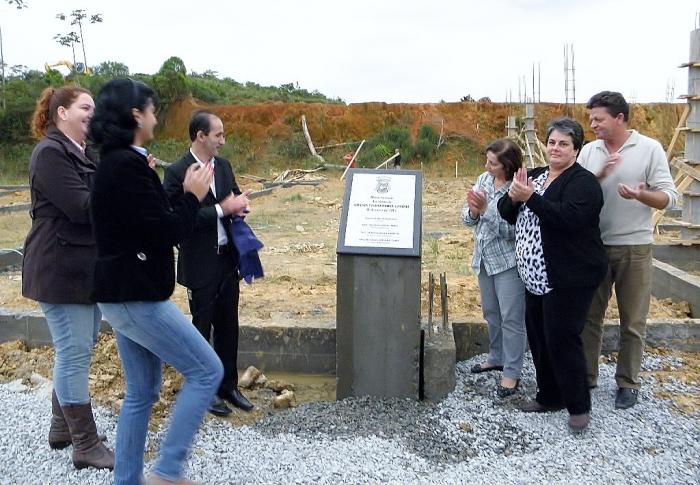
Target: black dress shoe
<point>219,408</point>
<point>535,407</point>
<point>626,398</point>
<point>237,399</point>
<point>477,369</point>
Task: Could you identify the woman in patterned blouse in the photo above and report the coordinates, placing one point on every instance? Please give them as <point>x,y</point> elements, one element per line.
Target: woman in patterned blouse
<point>502,291</point>
<point>561,261</point>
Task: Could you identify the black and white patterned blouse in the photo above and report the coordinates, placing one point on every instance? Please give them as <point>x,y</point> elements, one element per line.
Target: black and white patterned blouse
<point>528,245</point>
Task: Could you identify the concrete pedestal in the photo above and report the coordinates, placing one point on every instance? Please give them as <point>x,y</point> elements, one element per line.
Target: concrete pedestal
<point>439,365</point>
<point>378,326</point>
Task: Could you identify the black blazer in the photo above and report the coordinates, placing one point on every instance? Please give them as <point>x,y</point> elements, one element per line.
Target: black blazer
<point>59,251</point>
<point>197,257</point>
<point>136,228</point>
<point>569,214</point>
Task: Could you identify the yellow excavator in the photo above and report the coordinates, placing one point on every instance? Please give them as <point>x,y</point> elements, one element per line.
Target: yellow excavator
<point>77,68</point>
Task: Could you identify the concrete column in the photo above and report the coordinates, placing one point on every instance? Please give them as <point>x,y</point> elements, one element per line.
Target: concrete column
<point>511,128</point>
<point>530,136</point>
<point>691,197</point>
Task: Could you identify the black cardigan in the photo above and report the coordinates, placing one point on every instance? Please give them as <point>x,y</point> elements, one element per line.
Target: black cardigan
<point>135,229</point>
<point>569,215</point>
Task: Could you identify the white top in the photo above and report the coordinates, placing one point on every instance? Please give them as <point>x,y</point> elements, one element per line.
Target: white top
<point>220,231</point>
<point>628,222</point>
<point>528,245</point>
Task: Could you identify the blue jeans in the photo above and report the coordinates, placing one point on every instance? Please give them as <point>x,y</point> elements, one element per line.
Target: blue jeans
<point>148,334</point>
<point>74,331</point>
<point>503,306</point>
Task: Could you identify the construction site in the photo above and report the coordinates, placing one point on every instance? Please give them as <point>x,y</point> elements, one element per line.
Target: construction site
<point>287,346</point>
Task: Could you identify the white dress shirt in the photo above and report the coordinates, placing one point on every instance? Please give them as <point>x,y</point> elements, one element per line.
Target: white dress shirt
<point>221,232</point>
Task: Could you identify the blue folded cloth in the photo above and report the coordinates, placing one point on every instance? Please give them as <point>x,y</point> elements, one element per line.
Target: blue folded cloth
<point>247,245</point>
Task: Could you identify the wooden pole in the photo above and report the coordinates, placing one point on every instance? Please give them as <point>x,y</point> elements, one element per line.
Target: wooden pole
<point>336,145</point>
<point>386,161</point>
<point>352,160</point>
<point>305,128</point>
<point>677,131</point>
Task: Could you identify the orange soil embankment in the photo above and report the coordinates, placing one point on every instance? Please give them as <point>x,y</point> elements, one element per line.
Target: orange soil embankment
<point>334,123</point>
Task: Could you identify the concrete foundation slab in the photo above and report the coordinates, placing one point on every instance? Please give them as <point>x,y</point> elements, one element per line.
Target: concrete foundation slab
<point>682,256</point>
<point>15,208</point>
<point>471,337</point>
<point>311,350</point>
<point>10,258</point>
<point>671,282</point>
<point>295,349</point>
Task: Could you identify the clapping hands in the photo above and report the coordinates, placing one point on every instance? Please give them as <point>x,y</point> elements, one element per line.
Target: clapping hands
<point>521,189</point>
<point>476,199</point>
<point>238,205</point>
<point>629,193</point>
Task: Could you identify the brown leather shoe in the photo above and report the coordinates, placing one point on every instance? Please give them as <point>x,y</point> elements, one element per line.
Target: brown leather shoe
<point>88,450</point>
<point>579,422</point>
<point>535,407</point>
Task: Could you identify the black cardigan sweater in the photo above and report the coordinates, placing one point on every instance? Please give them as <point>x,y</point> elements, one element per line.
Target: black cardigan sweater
<point>136,228</point>
<point>569,215</point>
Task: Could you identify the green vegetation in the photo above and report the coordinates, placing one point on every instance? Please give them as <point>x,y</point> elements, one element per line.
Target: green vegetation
<point>382,145</point>
<point>171,83</point>
<point>209,88</point>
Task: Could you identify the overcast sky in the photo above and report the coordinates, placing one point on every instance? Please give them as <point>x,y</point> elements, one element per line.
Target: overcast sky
<point>381,50</point>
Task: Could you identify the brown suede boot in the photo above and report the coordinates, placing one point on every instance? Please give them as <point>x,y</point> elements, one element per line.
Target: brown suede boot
<point>59,434</point>
<point>88,450</point>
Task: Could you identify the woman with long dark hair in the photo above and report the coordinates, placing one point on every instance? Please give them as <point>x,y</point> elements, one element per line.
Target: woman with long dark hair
<point>136,228</point>
<point>59,255</point>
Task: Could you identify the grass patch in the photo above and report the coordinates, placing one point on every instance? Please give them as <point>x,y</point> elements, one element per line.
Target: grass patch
<point>14,163</point>
<point>294,198</point>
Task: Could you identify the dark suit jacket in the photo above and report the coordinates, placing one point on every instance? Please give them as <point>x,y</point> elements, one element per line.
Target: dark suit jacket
<point>197,254</point>
<point>569,214</point>
<point>136,228</point>
<point>59,251</point>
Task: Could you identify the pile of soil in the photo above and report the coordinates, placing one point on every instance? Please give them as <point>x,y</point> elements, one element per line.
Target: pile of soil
<point>107,381</point>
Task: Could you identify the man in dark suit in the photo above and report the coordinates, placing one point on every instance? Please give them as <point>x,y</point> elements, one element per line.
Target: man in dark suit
<point>208,262</point>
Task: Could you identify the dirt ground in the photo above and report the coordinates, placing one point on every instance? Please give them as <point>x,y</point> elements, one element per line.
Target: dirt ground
<point>299,228</point>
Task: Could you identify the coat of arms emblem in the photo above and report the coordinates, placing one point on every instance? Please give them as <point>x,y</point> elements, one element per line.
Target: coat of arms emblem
<point>383,185</point>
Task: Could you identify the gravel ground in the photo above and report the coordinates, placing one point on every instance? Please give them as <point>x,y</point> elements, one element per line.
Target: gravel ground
<point>470,437</point>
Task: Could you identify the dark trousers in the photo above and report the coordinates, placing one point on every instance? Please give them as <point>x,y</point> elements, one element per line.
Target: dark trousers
<point>554,323</point>
<point>216,306</point>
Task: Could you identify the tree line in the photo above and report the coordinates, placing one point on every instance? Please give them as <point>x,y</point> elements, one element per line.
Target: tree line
<point>172,83</point>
